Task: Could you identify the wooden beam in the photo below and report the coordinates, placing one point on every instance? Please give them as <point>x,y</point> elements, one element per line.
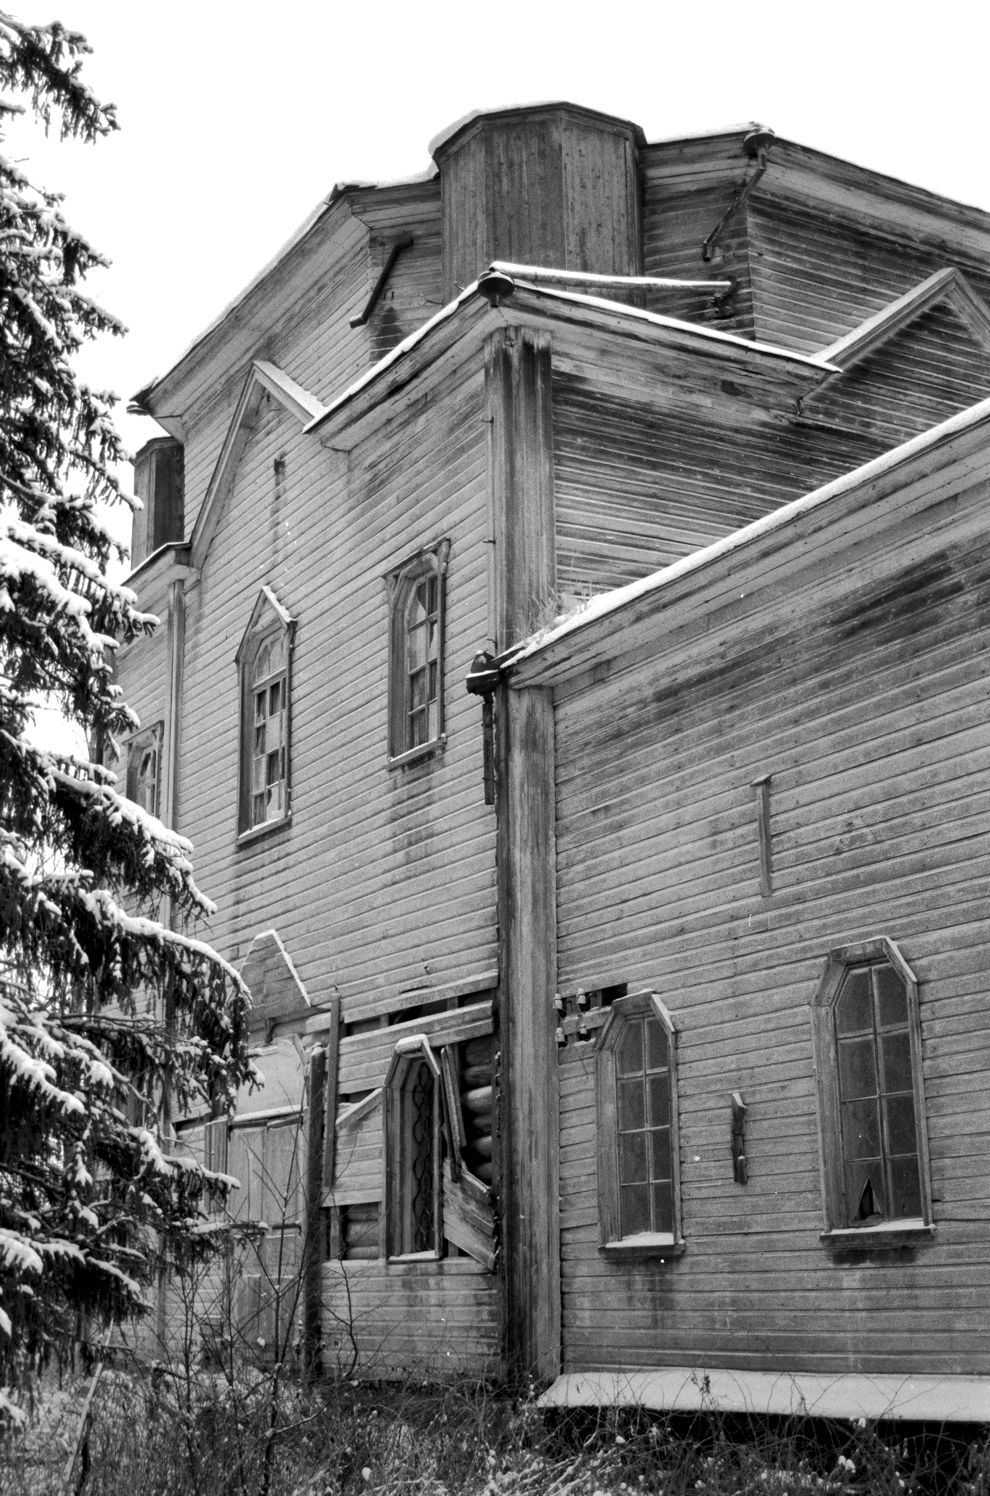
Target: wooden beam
<point>527,1112</point>
<point>312,1273</point>
<point>517,373</point>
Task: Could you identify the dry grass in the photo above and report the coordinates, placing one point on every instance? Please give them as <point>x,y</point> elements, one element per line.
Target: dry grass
<point>157,1433</point>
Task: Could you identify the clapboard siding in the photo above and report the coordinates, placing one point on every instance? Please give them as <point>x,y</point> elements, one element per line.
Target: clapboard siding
<point>637,487</point>
<point>928,372</point>
<point>816,277</point>
<point>675,227</point>
<point>311,341</point>
<point>435,1318</point>
<point>872,722</point>
<point>407,852</point>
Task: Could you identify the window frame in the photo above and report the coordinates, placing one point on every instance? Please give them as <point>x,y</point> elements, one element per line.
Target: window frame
<point>269,622</point>
<point>134,747</point>
<point>889,1231</point>
<point>409,1053</point>
<point>402,584</point>
<point>654,1244</point>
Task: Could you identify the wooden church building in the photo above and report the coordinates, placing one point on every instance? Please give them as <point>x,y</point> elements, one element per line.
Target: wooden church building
<point>574,587</point>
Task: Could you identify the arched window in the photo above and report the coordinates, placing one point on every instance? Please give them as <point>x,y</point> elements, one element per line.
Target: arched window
<point>264,661</point>
<point>416,654</point>
<point>414,1151</point>
<point>142,775</point>
<point>638,1174</point>
<point>867,1037</point>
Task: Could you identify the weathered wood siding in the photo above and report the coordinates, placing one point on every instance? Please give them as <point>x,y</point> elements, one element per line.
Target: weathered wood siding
<point>926,373</point>
<point>385,878</point>
<point>675,226</point>
<point>637,487</point>
<point>440,1318</point>
<point>872,718</point>
<point>816,276</point>
<point>310,339</point>
<point>413,291</point>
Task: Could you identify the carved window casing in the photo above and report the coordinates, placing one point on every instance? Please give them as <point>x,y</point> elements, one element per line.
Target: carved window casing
<point>264,665</point>
<point>867,1036</point>
<point>414,1127</point>
<point>417,596</point>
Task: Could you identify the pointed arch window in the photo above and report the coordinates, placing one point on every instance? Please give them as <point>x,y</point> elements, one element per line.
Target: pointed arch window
<point>867,1035</point>
<point>142,772</point>
<point>264,666</point>
<point>414,1152</point>
<point>638,1153</point>
<point>416,654</point>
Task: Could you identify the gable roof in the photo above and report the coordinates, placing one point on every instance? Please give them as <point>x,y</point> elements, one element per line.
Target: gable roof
<point>263,379</point>
<point>949,286</point>
<point>616,622</point>
<point>520,300</point>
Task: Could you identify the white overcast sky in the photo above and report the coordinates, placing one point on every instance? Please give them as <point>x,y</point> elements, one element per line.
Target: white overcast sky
<point>236,118</point>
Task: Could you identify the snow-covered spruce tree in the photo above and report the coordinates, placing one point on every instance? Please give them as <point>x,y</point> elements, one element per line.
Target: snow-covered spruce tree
<point>109,1013</point>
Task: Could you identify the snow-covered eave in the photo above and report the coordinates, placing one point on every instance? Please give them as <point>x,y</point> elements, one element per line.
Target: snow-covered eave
<point>535,656</point>
<point>174,551</point>
<point>339,191</point>
<point>540,297</point>
<point>376,372</point>
<point>695,333</point>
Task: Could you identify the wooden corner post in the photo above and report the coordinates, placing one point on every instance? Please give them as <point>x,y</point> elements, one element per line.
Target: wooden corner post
<point>521,479</point>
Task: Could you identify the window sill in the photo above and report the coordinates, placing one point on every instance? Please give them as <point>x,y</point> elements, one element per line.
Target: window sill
<point>413,755</point>
<point>401,1257</point>
<point>658,1245</point>
<point>879,1238</point>
<point>265,828</point>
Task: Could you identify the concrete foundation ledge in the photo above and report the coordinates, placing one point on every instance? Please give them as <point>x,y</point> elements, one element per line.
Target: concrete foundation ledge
<point>928,1398</point>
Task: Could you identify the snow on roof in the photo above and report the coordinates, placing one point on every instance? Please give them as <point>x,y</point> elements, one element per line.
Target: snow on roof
<point>590,278</point>
<point>654,319</point>
<point>338,190</point>
<point>493,111</point>
<point>394,354</point>
<point>607,603</point>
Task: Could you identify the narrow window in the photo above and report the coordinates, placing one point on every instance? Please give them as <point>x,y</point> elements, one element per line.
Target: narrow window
<point>142,768</point>
<point>264,664</point>
<point>637,1127</point>
<point>416,605</point>
<point>414,1151</point>
<point>871,1099</point>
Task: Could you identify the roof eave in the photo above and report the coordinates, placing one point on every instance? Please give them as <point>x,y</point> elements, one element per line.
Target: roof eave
<point>612,624</point>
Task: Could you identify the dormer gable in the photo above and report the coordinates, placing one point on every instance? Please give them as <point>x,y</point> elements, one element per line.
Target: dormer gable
<point>949,286</point>
<point>917,361</point>
<point>264,379</point>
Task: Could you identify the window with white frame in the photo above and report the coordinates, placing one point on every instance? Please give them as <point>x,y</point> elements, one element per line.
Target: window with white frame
<point>264,667</point>
<point>638,1173</point>
<point>416,593</point>
<point>867,1038</point>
